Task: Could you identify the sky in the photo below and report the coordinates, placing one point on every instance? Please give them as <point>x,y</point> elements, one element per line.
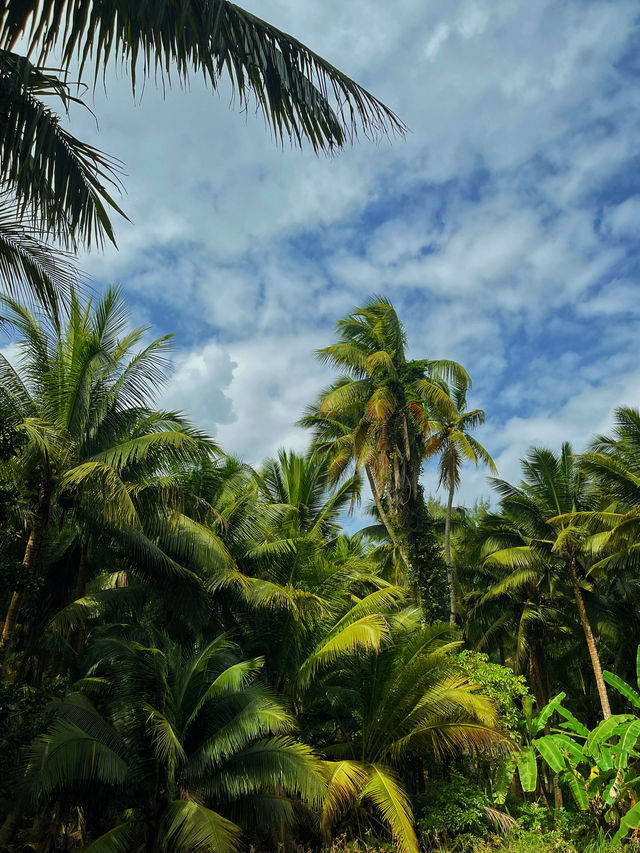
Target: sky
<point>504,227</point>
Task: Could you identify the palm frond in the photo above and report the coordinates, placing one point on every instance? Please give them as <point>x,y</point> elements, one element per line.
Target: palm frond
<point>302,96</point>
<point>189,827</point>
<point>390,799</point>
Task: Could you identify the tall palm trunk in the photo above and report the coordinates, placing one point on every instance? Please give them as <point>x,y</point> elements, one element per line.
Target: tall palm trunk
<point>453,607</point>
<point>81,578</point>
<point>385,519</point>
<point>32,550</point>
<point>538,676</point>
<point>591,643</point>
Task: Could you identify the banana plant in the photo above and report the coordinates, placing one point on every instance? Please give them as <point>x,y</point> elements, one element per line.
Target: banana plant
<point>599,766</point>
<point>533,744</point>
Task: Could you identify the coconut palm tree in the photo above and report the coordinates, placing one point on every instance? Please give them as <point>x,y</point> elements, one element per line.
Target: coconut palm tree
<point>302,483</point>
<point>314,596</point>
<point>376,416</point>
<point>80,399</point>
<point>515,611</point>
<point>542,508</point>
<point>190,746</point>
<point>451,441</point>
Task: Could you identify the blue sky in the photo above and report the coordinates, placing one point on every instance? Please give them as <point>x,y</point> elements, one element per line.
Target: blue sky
<point>504,228</point>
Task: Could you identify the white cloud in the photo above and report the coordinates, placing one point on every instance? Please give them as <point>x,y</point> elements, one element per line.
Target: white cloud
<point>489,227</point>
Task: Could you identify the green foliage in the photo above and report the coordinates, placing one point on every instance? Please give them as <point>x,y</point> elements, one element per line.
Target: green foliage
<point>338,697</point>
<point>428,573</point>
<point>449,809</point>
<point>498,682</point>
<point>24,713</point>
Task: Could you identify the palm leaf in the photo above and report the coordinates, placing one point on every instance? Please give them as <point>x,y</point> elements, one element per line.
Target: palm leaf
<point>189,827</point>
<point>301,95</point>
<point>388,796</point>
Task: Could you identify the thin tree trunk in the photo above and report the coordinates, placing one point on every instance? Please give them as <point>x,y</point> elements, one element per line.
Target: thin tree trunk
<point>385,519</point>
<point>538,677</point>
<point>591,643</point>
<point>81,581</point>
<point>557,792</point>
<point>453,607</point>
<point>30,555</point>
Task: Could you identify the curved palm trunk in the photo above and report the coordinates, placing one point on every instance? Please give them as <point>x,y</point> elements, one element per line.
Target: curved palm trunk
<point>453,606</point>
<point>34,542</point>
<point>591,643</point>
<point>385,519</point>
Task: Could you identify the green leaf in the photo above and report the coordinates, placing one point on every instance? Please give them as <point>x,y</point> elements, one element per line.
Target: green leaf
<point>527,768</point>
<point>630,821</point>
<point>542,717</point>
<point>605,730</point>
<point>572,724</point>
<point>572,750</point>
<point>189,827</point>
<point>622,687</point>
<point>551,751</point>
<point>603,756</point>
<point>391,800</point>
<point>504,776</point>
<point>577,788</point>
<point>629,735</point>
<point>116,840</point>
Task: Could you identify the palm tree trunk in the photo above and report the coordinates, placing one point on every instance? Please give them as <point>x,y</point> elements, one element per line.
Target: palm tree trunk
<point>591,643</point>
<point>538,679</point>
<point>81,578</point>
<point>385,519</point>
<point>34,542</point>
<point>453,608</point>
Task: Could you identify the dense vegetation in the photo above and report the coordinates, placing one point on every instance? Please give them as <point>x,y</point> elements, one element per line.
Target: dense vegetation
<point>197,656</point>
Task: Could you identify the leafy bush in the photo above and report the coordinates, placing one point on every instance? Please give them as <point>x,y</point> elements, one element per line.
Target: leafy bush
<point>450,809</point>
<point>499,683</point>
<point>24,714</point>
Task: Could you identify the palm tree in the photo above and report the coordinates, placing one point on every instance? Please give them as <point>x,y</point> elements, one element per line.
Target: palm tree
<point>513,610</point>
<point>91,442</point>
<point>303,485</point>
<point>314,597</point>
<point>410,700</point>
<point>542,508</point>
<point>613,462</point>
<point>450,440</point>
<point>377,415</point>
<point>195,749</point>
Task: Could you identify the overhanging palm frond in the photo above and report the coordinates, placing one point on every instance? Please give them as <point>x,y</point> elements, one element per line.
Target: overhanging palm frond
<point>28,266</point>
<point>301,95</point>
<point>61,181</point>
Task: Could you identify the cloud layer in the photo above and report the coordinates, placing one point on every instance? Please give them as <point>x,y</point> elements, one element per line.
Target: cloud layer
<point>504,228</point>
